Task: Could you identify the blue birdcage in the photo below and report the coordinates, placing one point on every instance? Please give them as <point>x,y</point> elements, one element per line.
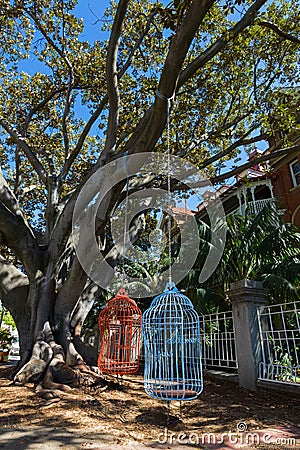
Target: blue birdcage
<point>171,332</point>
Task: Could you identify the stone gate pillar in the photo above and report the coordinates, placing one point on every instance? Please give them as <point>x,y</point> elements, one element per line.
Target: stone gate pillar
<point>246,296</point>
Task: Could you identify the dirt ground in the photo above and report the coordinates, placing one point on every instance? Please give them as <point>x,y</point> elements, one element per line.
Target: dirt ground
<point>127,413</point>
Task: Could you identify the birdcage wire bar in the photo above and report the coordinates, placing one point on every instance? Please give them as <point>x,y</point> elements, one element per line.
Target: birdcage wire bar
<point>172,349</point>
<point>120,335</point>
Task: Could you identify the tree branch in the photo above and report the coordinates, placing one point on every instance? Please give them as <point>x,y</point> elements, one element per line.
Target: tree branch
<point>8,197</point>
<point>48,38</point>
<point>151,126</point>
<point>71,289</point>
<point>217,133</point>
<point>137,45</point>
<point>13,285</point>
<point>20,238</point>
<point>62,228</point>
<point>232,147</point>
<point>10,278</point>
<point>17,182</point>
<point>254,162</point>
<point>103,102</point>
<point>19,140</point>
<point>70,70</point>
<point>279,31</point>
<point>221,43</point>
<point>40,105</point>
<point>16,230</point>
<point>80,142</point>
<point>179,46</point>
<point>84,304</point>
<point>112,78</point>
<point>65,115</point>
<point>268,155</point>
<point>148,131</point>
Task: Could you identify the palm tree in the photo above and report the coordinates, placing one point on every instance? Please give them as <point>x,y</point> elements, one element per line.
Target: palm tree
<point>263,247</point>
<point>258,247</point>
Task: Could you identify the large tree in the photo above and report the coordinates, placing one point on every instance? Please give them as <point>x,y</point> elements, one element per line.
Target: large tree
<point>80,105</point>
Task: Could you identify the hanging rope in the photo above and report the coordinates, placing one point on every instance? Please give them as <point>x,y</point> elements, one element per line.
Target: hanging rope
<point>169,104</point>
<point>125,231</point>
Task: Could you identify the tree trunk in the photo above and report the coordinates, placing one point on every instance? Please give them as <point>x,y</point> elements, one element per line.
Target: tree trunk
<point>48,354</point>
<point>49,312</point>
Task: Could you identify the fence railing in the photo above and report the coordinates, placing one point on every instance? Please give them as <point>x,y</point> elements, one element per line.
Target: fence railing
<point>253,207</point>
<point>218,345</point>
<point>258,205</point>
<point>279,327</point>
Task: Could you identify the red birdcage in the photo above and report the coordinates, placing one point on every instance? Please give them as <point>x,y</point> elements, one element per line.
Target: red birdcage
<point>120,333</point>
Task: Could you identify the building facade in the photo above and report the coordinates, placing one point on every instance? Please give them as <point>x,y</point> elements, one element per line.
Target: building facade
<point>277,182</point>
<point>286,185</point>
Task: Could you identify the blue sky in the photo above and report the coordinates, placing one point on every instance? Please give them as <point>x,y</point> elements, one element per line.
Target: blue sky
<point>91,11</point>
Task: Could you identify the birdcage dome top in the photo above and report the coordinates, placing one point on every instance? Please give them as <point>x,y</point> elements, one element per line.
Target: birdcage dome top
<point>172,296</point>
<point>121,300</point>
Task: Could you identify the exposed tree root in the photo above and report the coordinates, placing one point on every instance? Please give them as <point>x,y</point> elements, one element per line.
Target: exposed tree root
<point>53,377</point>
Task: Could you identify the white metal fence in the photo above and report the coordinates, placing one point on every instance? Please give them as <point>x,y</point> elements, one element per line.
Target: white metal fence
<point>279,327</point>
<point>218,345</point>
<point>279,336</point>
